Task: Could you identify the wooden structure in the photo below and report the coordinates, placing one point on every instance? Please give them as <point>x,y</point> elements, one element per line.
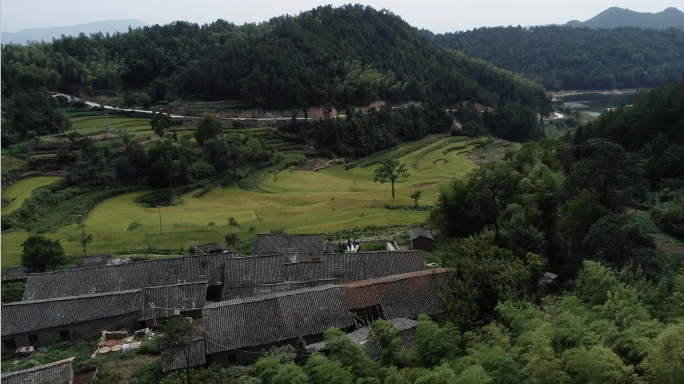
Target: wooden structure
<point>421,238</point>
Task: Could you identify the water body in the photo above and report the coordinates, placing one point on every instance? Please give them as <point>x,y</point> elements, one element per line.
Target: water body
<point>595,103</point>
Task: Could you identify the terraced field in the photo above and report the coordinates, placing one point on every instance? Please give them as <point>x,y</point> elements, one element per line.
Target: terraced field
<point>298,201</point>
<point>21,190</point>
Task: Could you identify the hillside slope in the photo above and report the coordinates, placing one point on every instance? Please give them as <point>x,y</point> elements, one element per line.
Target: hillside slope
<point>47,34</point>
<point>615,17</point>
<point>344,56</point>
<point>577,58</point>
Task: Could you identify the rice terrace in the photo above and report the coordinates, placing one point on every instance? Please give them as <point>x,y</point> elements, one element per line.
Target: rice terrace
<point>275,198</point>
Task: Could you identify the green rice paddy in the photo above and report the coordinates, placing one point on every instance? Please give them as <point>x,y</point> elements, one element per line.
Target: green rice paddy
<point>21,190</point>
<point>298,201</point>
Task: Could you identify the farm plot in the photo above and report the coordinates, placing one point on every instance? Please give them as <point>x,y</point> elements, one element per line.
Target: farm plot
<point>21,190</point>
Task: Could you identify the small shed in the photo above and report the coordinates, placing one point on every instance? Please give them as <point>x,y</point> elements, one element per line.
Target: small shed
<point>14,275</point>
<point>421,238</point>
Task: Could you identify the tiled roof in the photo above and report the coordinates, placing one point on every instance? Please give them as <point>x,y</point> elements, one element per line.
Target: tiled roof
<point>27,316</point>
<point>360,336</point>
<point>271,318</point>
<point>175,361</point>
<point>417,232</point>
<point>15,274</point>
<point>217,247</point>
<point>348,267</point>
<point>57,372</point>
<point>304,271</point>
<point>231,293</point>
<point>171,298</point>
<point>406,296</point>
<point>255,270</point>
<point>111,278</point>
<point>266,244</point>
<point>94,261</point>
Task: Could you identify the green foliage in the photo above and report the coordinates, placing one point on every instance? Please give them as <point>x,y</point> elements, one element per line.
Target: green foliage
<point>208,127</point>
<point>583,211</point>
<point>415,196</point>
<point>41,254</point>
<point>215,374</point>
<point>232,239</point>
<point>597,365</point>
<point>302,354</point>
<point>349,354</point>
<point>12,292</point>
<point>669,214</point>
<point>559,57</point>
<point>152,373</point>
<point>390,170</point>
<point>145,100</point>
<point>160,123</point>
<point>665,360</point>
<point>372,246</point>
<point>34,111</point>
<point>385,337</point>
<point>434,343</point>
<point>618,241</point>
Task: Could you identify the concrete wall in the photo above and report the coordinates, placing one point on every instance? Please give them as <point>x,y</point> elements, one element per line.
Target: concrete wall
<point>47,336</point>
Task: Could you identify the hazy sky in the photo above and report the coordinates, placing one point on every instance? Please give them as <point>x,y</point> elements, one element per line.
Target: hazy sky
<point>436,15</point>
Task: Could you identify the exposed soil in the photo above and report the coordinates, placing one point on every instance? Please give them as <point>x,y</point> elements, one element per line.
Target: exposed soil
<point>84,377</point>
<point>424,184</point>
<point>668,243</point>
<point>476,159</point>
<point>126,367</point>
<point>97,136</point>
<point>8,161</point>
<point>316,165</point>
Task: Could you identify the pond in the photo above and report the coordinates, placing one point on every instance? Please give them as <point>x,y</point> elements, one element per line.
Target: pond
<point>595,103</point>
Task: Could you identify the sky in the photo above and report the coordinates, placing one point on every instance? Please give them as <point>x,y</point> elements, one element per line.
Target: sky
<point>438,16</point>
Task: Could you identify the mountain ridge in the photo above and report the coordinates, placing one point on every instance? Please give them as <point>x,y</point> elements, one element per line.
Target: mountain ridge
<point>615,17</point>
<point>47,34</point>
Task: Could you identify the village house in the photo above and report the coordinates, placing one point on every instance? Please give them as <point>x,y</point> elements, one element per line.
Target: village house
<point>93,261</point>
<point>15,275</point>
<point>128,276</point>
<point>40,322</point>
<point>59,372</point>
<point>299,247</point>
<point>407,334</point>
<point>237,330</point>
<point>421,238</point>
<point>176,360</point>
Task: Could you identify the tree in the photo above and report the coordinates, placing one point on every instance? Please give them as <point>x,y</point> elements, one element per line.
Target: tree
<point>435,344</point>
<point>208,128</point>
<point>583,211</point>
<point>146,100</point>
<point>178,336</point>
<point>236,150</point>
<point>490,185</point>
<point>415,196</point>
<point>665,360</point>
<point>160,123</point>
<point>300,350</point>
<point>41,254</point>
<point>129,99</point>
<point>86,238</point>
<point>609,170</point>
<point>390,170</point>
<point>325,371</point>
<point>349,354</point>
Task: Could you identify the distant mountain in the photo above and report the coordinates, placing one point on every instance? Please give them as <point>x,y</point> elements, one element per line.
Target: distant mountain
<point>615,17</point>
<point>46,34</point>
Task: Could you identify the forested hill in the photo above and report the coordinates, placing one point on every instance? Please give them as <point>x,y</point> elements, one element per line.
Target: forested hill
<point>577,58</point>
<point>615,17</point>
<point>344,56</point>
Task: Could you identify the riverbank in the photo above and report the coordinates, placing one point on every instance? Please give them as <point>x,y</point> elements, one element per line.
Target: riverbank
<point>624,91</point>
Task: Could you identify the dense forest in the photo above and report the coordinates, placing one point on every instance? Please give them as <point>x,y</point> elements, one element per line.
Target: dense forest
<point>577,58</point>
<point>345,56</point>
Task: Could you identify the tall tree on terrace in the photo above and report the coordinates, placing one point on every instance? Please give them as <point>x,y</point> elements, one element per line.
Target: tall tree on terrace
<point>390,170</point>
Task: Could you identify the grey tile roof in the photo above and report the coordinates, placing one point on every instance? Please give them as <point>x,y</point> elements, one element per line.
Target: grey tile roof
<point>27,316</point>
<point>303,271</point>
<point>94,261</point>
<point>111,278</point>
<point>217,247</point>
<point>360,336</point>
<point>57,372</point>
<point>271,318</point>
<point>348,267</point>
<point>171,298</point>
<point>231,293</point>
<point>266,244</point>
<point>417,232</point>
<point>174,361</point>
<point>15,274</point>
<point>406,296</point>
<point>254,270</point>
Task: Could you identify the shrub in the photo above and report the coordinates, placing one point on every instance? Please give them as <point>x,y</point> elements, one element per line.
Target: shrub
<point>373,246</point>
<point>232,221</point>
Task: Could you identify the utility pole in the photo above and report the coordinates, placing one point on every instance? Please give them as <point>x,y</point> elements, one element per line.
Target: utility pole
<point>161,228</point>
<point>154,313</point>
<point>82,233</point>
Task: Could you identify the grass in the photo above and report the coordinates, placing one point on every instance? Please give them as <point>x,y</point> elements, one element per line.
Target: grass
<point>330,200</point>
<point>21,190</point>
